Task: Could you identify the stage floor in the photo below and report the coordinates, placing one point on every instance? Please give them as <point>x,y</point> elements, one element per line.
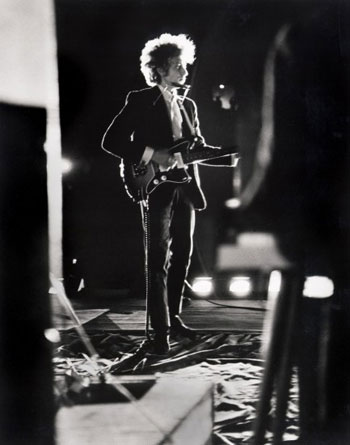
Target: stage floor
<point>122,314</point>
<point>226,353</point>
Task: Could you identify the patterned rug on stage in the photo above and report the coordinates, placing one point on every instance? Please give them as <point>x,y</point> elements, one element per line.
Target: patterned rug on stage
<point>231,361</point>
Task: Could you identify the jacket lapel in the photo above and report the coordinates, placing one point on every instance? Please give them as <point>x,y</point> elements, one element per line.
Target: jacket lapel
<point>160,119</point>
<point>185,127</point>
<point>161,116</point>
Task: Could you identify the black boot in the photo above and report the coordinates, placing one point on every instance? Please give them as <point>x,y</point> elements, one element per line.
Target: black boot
<point>178,327</point>
<point>160,343</point>
<point>157,345</point>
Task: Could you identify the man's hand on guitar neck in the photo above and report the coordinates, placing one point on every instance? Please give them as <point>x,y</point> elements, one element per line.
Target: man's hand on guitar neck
<point>163,158</point>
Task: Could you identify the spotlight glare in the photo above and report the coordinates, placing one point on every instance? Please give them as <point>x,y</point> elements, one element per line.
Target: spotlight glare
<point>202,286</point>
<point>52,335</point>
<point>240,286</point>
<point>275,282</point>
<point>233,203</point>
<point>318,287</point>
<point>66,165</point>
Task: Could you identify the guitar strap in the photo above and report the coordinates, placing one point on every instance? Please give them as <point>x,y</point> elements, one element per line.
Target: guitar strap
<point>144,206</point>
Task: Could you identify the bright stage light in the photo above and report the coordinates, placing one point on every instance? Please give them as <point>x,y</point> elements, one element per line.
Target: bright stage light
<point>233,203</point>
<point>52,335</point>
<point>318,287</point>
<point>240,286</point>
<point>66,165</point>
<point>202,286</point>
<point>275,282</point>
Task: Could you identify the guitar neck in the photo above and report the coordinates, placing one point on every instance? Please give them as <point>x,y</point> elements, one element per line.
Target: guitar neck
<point>205,154</point>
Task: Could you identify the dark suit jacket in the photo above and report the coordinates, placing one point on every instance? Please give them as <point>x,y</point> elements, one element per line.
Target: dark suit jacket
<point>144,121</point>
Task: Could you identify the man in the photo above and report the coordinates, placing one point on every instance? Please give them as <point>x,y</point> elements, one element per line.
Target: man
<point>152,120</point>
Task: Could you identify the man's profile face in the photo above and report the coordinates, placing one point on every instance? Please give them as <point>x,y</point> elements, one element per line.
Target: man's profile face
<point>176,73</point>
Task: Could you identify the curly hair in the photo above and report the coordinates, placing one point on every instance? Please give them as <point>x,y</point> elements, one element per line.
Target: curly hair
<point>157,52</point>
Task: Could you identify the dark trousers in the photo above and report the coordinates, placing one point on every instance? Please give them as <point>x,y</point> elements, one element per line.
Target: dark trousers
<point>171,227</point>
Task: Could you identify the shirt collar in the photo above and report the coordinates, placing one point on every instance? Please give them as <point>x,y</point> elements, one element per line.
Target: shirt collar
<point>168,94</point>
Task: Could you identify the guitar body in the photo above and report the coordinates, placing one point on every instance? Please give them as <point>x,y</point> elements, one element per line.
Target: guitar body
<point>141,180</point>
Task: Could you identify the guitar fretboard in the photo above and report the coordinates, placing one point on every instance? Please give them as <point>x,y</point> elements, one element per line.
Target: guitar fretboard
<point>205,154</point>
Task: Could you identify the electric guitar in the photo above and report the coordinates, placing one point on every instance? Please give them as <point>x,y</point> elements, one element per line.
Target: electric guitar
<point>140,180</point>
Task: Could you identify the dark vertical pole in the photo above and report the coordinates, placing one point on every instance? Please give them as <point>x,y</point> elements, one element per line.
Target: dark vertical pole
<point>293,296</point>
<point>26,396</point>
<point>279,358</point>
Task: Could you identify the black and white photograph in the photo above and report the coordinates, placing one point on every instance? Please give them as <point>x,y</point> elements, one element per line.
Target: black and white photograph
<point>174,222</point>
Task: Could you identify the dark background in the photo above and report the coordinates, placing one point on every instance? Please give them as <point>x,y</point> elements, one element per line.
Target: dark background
<point>99,44</point>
